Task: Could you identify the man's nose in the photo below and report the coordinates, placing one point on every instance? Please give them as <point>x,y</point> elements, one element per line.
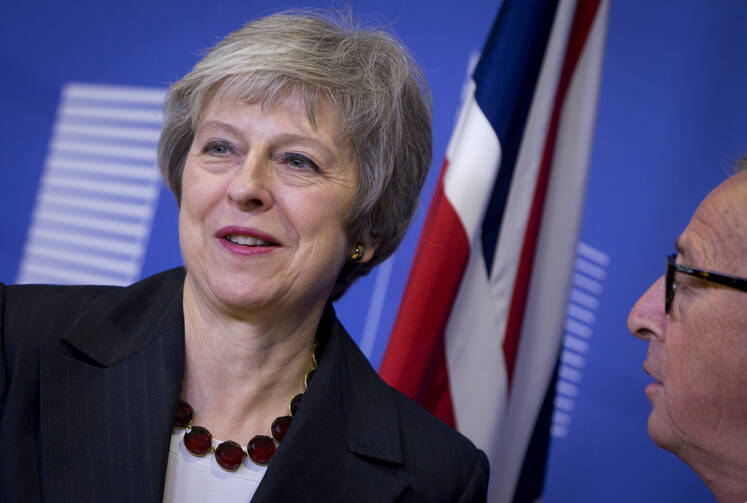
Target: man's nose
<point>647,318</point>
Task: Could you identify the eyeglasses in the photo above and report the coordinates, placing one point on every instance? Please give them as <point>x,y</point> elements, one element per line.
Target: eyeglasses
<point>716,277</point>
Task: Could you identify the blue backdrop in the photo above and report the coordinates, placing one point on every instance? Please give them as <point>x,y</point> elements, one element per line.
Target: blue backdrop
<point>671,120</point>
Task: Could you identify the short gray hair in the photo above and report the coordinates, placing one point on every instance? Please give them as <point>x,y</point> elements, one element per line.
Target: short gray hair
<point>741,165</point>
<point>380,94</point>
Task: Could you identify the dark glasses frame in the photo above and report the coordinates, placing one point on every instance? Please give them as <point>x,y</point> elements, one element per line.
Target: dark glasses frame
<point>713,276</point>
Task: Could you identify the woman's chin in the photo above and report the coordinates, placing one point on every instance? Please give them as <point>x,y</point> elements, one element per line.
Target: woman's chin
<point>245,298</point>
<point>229,292</point>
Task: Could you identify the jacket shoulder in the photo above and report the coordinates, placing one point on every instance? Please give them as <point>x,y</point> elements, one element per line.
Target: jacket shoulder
<point>31,315</point>
<point>440,455</point>
<point>441,463</point>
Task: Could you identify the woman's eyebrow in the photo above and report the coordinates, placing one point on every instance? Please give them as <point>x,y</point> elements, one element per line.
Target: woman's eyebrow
<point>215,124</point>
<point>301,139</point>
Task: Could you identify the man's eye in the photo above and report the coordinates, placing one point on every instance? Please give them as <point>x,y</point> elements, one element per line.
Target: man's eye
<point>299,161</point>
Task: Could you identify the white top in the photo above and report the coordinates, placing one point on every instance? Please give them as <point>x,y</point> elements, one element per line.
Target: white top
<point>191,478</point>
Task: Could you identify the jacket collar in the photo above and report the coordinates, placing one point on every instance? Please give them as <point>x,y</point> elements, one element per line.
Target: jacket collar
<point>122,321</point>
<point>351,375</point>
<point>107,394</point>
<point>345,440</point>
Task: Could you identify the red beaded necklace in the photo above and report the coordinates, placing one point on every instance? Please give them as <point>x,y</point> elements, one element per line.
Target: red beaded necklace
<point>229,454</point>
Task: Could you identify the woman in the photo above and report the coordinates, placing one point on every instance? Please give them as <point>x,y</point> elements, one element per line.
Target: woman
<point>296,150</point>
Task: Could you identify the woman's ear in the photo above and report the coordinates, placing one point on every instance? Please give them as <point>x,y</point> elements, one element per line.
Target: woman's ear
<point>369,252</point>
<point>362,253</point>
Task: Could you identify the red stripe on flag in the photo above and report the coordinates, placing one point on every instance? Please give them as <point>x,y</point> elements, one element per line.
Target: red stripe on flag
<point>415,359</point>
<point>583,18</point>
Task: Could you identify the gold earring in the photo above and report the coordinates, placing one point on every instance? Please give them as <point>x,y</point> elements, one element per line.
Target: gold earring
<point>357,253</point>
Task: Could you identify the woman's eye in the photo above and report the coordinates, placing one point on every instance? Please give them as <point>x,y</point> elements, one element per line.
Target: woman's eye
<point>299,161</point>
<point>217,148</point>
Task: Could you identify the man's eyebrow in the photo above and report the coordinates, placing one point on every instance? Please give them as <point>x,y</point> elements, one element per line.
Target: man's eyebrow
<point>678,247</point>
<point>683,250</point>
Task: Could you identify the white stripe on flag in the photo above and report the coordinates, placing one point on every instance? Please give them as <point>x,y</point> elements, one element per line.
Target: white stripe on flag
<point>556,250</point>
<point>479,391</point>
<point>478,387</point>
<point>474,155</point>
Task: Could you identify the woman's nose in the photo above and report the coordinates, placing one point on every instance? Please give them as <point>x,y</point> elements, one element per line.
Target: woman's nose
<point>249,188</point>
<point>647,318</point>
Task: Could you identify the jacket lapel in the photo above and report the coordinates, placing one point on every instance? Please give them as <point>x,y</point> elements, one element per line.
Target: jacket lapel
<point>107,395</point>
<point>344,442</point>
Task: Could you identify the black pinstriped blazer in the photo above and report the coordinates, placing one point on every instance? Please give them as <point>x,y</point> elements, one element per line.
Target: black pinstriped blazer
<point>88,381</point>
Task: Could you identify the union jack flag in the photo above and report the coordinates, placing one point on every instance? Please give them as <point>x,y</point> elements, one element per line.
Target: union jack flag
<point>477,337</point>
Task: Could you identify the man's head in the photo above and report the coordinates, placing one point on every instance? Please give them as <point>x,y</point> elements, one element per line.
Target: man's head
<point>698,349</point>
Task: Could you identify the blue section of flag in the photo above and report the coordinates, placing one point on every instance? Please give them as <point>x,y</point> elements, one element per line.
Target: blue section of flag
<point>506,78</point>
<point>531,483</point>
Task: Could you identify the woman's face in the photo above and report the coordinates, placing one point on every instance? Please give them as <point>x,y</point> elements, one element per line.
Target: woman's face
<point>264,199</point>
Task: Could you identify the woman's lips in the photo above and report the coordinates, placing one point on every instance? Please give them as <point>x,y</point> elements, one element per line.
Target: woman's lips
<point>233,230</point>
<point>246,241</point>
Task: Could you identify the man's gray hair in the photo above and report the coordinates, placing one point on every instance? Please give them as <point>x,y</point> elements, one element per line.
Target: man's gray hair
<point>741,165</point>
<point>380,95</point>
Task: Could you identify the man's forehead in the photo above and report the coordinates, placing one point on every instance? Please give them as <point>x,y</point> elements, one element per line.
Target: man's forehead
<point>716,237</point>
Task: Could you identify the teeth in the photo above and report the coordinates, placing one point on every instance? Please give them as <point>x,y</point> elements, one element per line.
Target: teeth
<point>246,240</point>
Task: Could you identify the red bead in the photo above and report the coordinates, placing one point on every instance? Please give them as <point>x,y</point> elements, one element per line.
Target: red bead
<point>229,455</point>
<point>280,426</point>
<point>183,414</point>
<point>198,440</point>
<point>295,402</point>
<point>260,449</point>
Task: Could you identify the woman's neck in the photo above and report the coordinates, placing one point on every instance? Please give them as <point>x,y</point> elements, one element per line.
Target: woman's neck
<point>241,373</point>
